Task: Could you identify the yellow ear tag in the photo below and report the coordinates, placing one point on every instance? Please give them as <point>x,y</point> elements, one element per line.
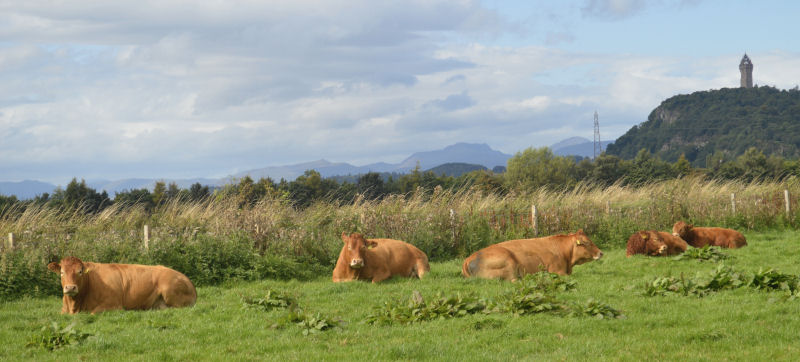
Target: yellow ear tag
<point>371,246</point>
<point>578,242</point>
<point>86,271</point>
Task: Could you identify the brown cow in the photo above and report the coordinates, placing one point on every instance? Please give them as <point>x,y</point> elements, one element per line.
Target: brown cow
<point>96,287</point>
<point>513,259</point>
<point>702,236</point>
<point>655,243</point>
<point>378,259</point>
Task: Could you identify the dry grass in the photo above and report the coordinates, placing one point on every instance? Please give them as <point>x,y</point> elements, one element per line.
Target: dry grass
<point>608,214</point>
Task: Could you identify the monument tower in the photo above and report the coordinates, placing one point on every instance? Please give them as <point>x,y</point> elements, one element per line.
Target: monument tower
<point>746,68</point>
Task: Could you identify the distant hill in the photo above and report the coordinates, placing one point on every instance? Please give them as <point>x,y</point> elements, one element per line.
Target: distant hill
<point>728,121</point>
<point>577,146</point>
<point>472,153</point>
<point>455,169</point>
<point>24,190</point>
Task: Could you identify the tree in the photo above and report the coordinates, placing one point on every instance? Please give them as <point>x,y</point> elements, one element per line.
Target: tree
<point>371,186</point>
<point>533,168</point>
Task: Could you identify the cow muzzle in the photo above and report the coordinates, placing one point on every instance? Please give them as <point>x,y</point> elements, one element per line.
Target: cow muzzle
<point>676,234</point>
<point>357,263</point>
<point>71,290</point>
<point>598,256</point>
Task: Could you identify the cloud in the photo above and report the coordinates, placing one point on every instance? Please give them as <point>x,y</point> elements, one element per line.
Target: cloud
<point>612,9</point>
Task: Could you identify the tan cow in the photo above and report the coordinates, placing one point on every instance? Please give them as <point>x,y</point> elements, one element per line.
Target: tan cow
<point>513,259</point>
<point>378,259</point>
<point>655,243</point>
<point>96,287</point>
<point>702,236</point>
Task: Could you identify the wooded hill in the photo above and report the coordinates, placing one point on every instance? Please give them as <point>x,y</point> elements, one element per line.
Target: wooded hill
<point>718,125</point>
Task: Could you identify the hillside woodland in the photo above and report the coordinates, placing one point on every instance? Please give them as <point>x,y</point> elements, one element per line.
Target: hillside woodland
<point>711,127</point>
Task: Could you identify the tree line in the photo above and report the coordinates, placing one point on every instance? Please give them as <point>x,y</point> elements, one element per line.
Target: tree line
<point>526,170</point>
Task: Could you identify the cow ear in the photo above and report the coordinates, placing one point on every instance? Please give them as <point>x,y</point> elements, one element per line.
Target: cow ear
<point>54,267</point>
<point>344,237</point>
<point>371,244</point>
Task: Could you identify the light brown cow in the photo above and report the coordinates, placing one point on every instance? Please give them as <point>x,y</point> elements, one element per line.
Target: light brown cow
<point>378,259</point>
<point>513,259</point>
<point>655,243</point>
<point>96,287</point>
<point>702,236</point>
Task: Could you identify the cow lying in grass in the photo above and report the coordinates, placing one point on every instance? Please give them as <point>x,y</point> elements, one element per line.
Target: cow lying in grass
<point>96,287</point>
<point>655,243</point>
<point>513,259</point>
<point>378,259</point>
<point>713,236</point>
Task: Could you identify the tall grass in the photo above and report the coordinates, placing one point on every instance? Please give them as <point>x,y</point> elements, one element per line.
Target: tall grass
<point>272,235</point>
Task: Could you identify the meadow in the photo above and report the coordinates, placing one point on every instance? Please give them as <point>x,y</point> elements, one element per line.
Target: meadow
<point>228,323</point>
<point>263,277</point>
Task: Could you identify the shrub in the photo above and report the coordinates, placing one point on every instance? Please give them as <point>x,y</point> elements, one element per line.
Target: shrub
<point>54,336</point>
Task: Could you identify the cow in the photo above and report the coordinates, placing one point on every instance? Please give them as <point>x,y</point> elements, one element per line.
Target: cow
<point>378,259</point>
<point>655,243</point>
<point>512,259</point>
<point>702,236</point>
<point>96,287</point>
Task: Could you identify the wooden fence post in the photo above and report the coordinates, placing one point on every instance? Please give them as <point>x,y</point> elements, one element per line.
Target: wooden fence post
<point>534,220</point>
<point>786,199</point>
<point>608,207</point>
<point>146,237</point>
<point>453,224</point>
<point>10,244</point>
<point>733,203</point>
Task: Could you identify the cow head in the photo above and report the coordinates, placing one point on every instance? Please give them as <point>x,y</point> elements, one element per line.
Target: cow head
<point>653,245</point>
<point>355,246</point>
<point>73,274</point>
<point>584,249</point>
<point>681,229</point>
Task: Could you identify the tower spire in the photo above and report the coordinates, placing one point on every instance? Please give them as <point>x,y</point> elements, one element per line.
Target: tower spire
<point>746,68</point>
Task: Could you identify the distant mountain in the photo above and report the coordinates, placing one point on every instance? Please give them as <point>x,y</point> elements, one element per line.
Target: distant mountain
<point>26,189</point>
<point>474,153</point>
<point>577,146</point>
<point>455,169</point>
<point>724,122</point>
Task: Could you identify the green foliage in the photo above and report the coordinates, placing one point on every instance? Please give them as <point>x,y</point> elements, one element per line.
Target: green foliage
<point>54,336</point>
<point>26,274</point>
<point>727,121</point>
<point>416,309</point>
<point>312,324</point>
<point>706,253</point>
<point>272,300</point>
<point>593,308</point>
<point>722,278</point>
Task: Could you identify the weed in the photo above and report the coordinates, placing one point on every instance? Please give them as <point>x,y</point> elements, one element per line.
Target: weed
<point>54,336</point>
<point>706,253</point>
<point>271,300</point>
<point>593,308</point>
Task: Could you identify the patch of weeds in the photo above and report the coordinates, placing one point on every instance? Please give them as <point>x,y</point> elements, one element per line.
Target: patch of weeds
<point>593,308</point>
<point>707,253</point>
<point>523,302</point>
<point>545,282</point>
<point>774,280</point>
<point>54,336</point>
<point>722,278</point>
<point>416,309</point>
<point>312,324</point>
<point>271,300</point>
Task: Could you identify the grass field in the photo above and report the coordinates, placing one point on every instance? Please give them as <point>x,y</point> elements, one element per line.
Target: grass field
<point>740,324</point>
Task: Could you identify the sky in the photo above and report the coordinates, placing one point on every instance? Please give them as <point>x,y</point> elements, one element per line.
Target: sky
<point>182,89</point>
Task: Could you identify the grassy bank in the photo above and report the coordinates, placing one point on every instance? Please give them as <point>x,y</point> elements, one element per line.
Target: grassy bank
<point>734,324</point>
<point>218,239</point>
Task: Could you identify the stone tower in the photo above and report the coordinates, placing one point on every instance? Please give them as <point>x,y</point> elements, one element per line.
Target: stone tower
<point>746,68</point>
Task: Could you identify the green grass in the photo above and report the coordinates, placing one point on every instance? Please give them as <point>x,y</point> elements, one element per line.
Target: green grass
<point>740,324</point>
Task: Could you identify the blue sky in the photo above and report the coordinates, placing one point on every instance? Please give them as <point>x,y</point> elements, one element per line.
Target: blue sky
<point>180,89</point>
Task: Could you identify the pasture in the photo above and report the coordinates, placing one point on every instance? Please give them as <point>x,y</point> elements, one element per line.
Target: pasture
<point>738,324</point>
